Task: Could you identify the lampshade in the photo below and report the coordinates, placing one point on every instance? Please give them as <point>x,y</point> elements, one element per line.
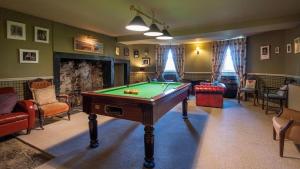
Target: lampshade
<point>154,31</point>
<point>137,24</point>
<point>166,35</point>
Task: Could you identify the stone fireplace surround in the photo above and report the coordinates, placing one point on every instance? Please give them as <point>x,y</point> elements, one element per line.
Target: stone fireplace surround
<point>75,73</point>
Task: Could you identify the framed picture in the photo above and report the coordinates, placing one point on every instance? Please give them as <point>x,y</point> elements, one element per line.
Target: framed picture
<point>117,51</point>
<point>135,53</point>
<point>88,44</point>
<point>126,51</point>
<point>297,45</point>
<point>16,30</point>
<point>264,52</point>
<point>277,50</point>
<point>41,34</point>
<point>288,48</point>
<point>29,56</point>
<point>145,61</point>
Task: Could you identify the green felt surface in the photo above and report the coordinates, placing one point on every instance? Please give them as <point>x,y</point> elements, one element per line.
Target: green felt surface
<point>146,90</point>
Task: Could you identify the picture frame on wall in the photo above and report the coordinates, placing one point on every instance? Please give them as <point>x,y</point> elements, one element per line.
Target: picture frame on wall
<point>297,45</point>
<point>117,51</point>
<point>277,50</point>
<point>88,44</point>
<point>41,34</point>
<point>126,51</point>
<point>265,52</point>
<point>289,48</point>
<point>135,53</point>
<point>16,30</point>
<point>28,56</point>
<point>146,61</point>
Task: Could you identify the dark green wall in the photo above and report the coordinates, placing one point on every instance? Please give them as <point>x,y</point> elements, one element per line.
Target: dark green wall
<point>282,63</point>
<point>275,64</point>
<point>292,60</point>
<point>61,40</point>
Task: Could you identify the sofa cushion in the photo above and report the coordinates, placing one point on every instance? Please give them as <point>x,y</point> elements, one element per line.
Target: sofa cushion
<point>7,102</point>
<point>12,117</point>
<point>45,95</point>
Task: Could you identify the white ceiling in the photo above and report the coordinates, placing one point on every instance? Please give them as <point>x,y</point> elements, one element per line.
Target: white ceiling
<point>189,20</point>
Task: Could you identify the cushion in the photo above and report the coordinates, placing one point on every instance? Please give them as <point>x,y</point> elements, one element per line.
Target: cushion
<point>7,102</point>
<point>54,108</point>
<point>250,84</point>
<point>282,91</point>
<point>45,95</point>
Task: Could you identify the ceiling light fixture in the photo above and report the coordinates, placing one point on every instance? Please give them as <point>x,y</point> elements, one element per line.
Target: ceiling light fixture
<point>137,24</point>
<point>154,31</point>
<point>166,35</point>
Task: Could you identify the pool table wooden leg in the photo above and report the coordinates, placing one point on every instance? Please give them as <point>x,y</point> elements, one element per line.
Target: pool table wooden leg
<point>149,146</point>
<point>93,130</point>
<point>184,108</point>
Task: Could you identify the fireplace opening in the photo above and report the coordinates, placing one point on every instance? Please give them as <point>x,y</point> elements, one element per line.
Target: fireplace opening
<point>76,73</point>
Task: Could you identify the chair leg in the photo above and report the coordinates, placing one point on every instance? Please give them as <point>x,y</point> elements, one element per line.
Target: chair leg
<point>281,143</point>
<point>41,120</point>
<point>254,99</point>
<point>263,103</point>
<point>69,115</point>
<point>28,131</point>
<point>267,106</point>
<point>274,134</point>
<point>239,97</point>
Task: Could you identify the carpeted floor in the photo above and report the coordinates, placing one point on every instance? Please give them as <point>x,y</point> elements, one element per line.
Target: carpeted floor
<point>236,137</point>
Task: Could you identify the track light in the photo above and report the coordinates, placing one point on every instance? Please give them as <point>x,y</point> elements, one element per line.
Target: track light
<point>137,24</point>
<point>166,35</point>
<point>154,31</point>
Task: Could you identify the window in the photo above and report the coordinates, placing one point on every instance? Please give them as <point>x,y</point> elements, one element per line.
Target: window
<point>227,67</point>
<point>170,66</point>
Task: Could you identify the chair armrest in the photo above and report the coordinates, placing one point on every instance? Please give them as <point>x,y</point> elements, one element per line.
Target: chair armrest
<point>64,96</point>
<point>27,106</point>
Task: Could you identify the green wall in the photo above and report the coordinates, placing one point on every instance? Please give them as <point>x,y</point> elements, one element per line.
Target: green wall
<point>292,60</point>
<point>61,40</point>
<point>282,63</point>
<point>201,62</point>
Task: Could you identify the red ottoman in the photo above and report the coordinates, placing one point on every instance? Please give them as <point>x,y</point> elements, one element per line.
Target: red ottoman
<point>209,96</point>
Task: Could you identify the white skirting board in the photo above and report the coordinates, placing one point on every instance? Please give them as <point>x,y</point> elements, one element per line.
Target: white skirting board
<point>294,97</point>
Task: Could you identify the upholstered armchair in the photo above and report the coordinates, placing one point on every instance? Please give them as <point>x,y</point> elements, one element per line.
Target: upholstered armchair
<point>48,103</point>
<point>272,93</point>
<point>15,115</point>
<point>286,125</point>
<point>250,87</point>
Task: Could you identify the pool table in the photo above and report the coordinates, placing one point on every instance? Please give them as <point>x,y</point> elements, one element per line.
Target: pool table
<point>153,100</point>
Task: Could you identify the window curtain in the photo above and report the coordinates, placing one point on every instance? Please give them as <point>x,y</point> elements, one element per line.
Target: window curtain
<point>161,53</point>
<point>178,53</point>
<point>219,52</point>
<point>238,54</point>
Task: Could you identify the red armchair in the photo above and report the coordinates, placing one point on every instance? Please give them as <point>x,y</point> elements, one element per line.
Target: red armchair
<point>209,95</point>
<point>20,118</point>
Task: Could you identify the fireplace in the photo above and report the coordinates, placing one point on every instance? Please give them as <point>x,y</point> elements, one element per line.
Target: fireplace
<point>76,73</point>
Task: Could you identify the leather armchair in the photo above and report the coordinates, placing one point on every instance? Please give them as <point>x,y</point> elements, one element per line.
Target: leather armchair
<point>22,117</point>
<point>209,95</point>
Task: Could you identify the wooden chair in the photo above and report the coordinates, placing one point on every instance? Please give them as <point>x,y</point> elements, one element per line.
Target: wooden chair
<point>249,89</point>
<point>51,109</point>
<point>286,125</point>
